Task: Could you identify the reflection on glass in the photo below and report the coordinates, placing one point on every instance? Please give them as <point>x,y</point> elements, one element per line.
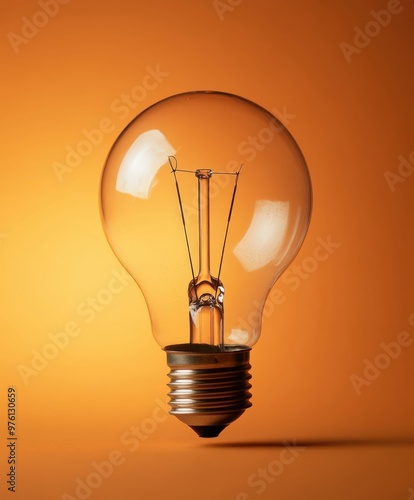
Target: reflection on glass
<point>264,238</point>
<point>146,155</point>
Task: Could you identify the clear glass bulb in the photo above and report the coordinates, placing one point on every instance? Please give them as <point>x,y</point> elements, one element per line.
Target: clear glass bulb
<point>206,200</point>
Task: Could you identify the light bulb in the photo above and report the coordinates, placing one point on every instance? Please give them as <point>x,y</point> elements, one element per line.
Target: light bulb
<point>205,200</point>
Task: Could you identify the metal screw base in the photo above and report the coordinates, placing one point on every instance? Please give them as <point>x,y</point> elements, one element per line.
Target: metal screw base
<point>209,386</point>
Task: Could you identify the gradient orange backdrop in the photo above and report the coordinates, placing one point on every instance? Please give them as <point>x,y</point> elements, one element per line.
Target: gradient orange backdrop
<point>86,65</point>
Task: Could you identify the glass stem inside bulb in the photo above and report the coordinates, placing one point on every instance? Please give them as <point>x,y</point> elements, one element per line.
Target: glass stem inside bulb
<point>205,291</point>
<point>204,223</point>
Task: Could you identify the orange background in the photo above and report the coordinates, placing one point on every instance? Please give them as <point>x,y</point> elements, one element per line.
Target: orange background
<point>352,119</point>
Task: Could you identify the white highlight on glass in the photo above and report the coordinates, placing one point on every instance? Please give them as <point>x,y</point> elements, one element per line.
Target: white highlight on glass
<point>147,154</point>
<point>238,336</point>
<point>264,238</point>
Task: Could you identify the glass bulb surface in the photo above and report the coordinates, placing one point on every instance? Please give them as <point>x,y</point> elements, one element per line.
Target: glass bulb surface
<point>206,199</point>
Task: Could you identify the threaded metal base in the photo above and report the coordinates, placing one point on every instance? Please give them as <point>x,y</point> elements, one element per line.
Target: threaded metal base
<point>209,386</point>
